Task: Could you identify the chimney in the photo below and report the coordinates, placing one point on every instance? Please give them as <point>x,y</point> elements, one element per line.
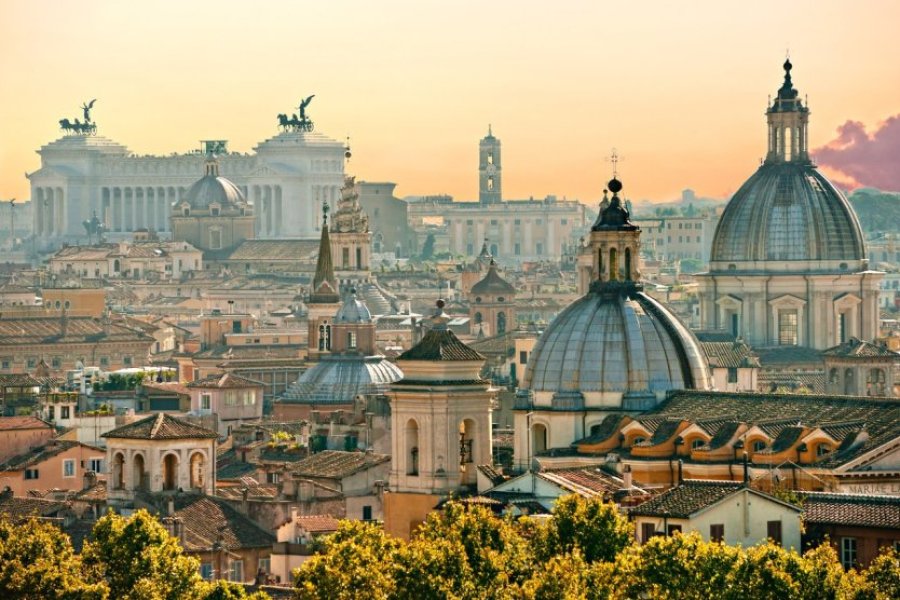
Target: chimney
<point>63,323</point>
<point>245,500</point>
<point>746,470</point>
<point>680,471</point>
<point>90,480</point>
<point>627,478</point>
<point>170,507</point>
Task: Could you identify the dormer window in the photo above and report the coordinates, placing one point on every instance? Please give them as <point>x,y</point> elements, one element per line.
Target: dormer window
<point>185,211</point>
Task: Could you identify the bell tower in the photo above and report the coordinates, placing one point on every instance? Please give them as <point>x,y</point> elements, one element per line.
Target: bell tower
<point>615,244</point>
<point>788,120</point>
<point>489,171</point>
<point>324,297</point>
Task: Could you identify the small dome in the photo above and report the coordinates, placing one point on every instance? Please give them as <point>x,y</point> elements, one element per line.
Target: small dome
<point>214,189</point>
<point>787,212</point>
<point>353,310</point>
<point>613,348</point>
<point>340,379</point>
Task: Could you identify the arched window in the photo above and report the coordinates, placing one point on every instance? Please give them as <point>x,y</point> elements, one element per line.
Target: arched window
<point>698,443</point>
<point>139,477</point>
<point>321,338</point>
<point>118,471</point>
<point>478,318</point>
<point>833,376</point>
<point>759,445</point>
<point>600,265</point>
<point>412,446</point>
<point>875,382</point>
<point>328,337</point>
<point>116,266</point>
<point>849,387</point>
<point>467,442</point>
<point>822,449</point>
<point>627,264</point>
<point>539,438</point>
<point>170,472</point>
<point>501,323</point>
<point>613,264</point>
<point>197,468</point>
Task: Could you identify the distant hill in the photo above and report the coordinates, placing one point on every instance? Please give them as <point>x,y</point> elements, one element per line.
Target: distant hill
<point>877,211</point>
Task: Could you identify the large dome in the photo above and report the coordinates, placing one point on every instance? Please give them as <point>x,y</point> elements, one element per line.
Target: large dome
<point>340,379</point>
<point>616,350</point>
<point>787,212</point>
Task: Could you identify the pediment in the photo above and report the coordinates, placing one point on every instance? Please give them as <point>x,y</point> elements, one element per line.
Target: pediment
<point>729,300</point>
<point>787,300</point>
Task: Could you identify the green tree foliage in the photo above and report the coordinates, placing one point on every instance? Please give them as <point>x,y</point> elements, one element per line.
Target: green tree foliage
<point>356,562</point>
<point>138,559</point>
<point>593,527</point>
<point>882,579</point>
<point>37,562</point>
<point>877,210</point>
<point>428,247</point>
<point>225,590</point>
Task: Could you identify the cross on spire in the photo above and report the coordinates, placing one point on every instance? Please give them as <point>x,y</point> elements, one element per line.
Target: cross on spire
<point>614,158</point>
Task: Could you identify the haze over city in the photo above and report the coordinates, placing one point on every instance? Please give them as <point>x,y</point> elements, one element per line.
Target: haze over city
<point>681,95</point>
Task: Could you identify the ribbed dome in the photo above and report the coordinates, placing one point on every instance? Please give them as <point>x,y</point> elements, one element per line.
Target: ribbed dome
<point>353,310</point>
<point>340,379</point>
<point>606,344</point>
<point>786,212</point>
<point>213,189</point>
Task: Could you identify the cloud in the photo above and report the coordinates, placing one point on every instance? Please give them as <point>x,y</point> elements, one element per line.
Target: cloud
<point>864,160</point>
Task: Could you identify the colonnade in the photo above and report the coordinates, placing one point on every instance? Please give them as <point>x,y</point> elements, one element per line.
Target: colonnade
<point>49,211</point>
<point>268,206</point>
<point>320,194</point>
<point>131,208</point>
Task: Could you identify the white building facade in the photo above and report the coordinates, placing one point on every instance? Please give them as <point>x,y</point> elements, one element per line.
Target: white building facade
<point>286,178</point>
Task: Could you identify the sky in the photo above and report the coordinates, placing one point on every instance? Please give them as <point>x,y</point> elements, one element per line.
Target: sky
<point>678,88</point>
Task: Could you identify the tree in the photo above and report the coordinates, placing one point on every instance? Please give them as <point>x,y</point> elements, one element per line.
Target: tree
<point>138,559</point>
<point>592,526</point>
<point>225,590</point>
<point>882,579</point>
<point>37,561</point>
<point>356,562</point>
<point>428,247</point>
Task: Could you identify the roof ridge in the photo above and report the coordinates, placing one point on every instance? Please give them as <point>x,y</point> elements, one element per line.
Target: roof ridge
<point>157,425</point>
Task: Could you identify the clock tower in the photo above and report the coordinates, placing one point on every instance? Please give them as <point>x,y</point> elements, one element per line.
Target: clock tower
<point>489,169</point>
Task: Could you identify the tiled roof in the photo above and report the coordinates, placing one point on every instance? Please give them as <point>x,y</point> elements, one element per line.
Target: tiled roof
<point>494,476</point>
<point>601,432</point>
<point>265,491</point>
<point>859,348</point>
<point>786,355</point>
<point>318,523</point>
<point>775,413</point>
<point>152,388</point>
<point>234,470</point>
<point>95,493</point>
<point>161,427</point>
<point>275,250</point>
<point>687,499</point>
<point>19,508</point>
<point>18,380</point>
<point>225,381</point>
<point>37,455</point>
<point>13,423</point>
<point>729,354</point>
<point>441,345</point>
<point>852,510</point>
<point>205,519</point>
<point>584,481</point>
<point>337,464</point>
<point>78,330</point>
<point>723,434</point>
<point>493,284</point>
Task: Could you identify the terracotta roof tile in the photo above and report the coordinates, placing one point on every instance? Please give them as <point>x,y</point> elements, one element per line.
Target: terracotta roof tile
<point>319,524</point>
<point>225,381</point>
<point>860,348</point>
<point>20,508</point>
<point>441,345</point>
<point>687,499</point>
<point>852,510</point>
<point>161,427</point>
<point>337,464</point>
<point>37,455</point>
<point>206,518</point>
<point>13,423</point>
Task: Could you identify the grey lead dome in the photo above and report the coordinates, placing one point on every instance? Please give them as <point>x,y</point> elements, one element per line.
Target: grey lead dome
<point>787,212</point>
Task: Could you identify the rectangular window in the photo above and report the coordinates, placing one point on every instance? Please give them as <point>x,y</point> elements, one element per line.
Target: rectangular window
<point>230,398</point>
<point>539,249</point>
<point>732,375</point>
<point>69,467</point>
<point>674,529</point>
<point>64,412</point>
<point>31,363</point>
<point>367,513</point>
<point>205,401</point>
<point>236,572</point>
<point>104,361</point>
<point>31,474</point>
<point>126,360</point>
<point>787,328</point>
<point>538,221</point>
<point>773,531</point>
<point>96,465</point>
<point>272,478</point>
<point>648,530</point>
<point>249,397</point>
<point>468,221</point>
<point>523,357</point>
<point>493,221</point>
<point>51,413</point>
<point>56,362</point>
<point>848,552</point>
<point>517,249</point>
<point>517,222</point>
<point>563,221</point>
<point>265,565</point>
<point>469,249</point>
<point>717,532</point>
<point>206,571</point>
<point>345,257</point>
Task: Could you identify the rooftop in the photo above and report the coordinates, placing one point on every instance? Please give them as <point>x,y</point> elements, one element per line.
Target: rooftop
<point>336,464</point>
<point>161,427</point>
<point>853,510</point>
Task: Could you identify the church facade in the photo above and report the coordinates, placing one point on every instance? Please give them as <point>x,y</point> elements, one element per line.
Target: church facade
<point>788,265</point>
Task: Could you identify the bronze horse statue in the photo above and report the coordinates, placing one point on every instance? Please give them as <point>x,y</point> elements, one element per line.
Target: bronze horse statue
<point>78,127</point>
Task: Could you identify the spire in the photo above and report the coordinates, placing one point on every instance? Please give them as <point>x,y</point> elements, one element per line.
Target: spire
<point>614,215</point>
<point>787,119</point>
<point>324,289</point>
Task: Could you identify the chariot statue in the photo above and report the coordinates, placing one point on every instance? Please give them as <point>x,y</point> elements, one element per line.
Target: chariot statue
<point>76,126</point>
<point>297,123</point>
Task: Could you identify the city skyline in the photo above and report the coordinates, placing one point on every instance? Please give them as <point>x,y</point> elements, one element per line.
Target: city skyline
<point>416,87</point>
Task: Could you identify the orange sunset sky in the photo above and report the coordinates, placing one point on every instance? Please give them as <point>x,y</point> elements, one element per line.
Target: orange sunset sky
<point>679,88</point>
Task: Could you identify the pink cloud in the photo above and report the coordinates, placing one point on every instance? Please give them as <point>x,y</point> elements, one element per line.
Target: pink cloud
<point>864,160</point>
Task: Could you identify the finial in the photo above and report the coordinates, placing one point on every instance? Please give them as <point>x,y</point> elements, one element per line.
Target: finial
<point>325,209</point>
<point>614,159</point>
<point>489,130</point>
<point>347,153</point>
